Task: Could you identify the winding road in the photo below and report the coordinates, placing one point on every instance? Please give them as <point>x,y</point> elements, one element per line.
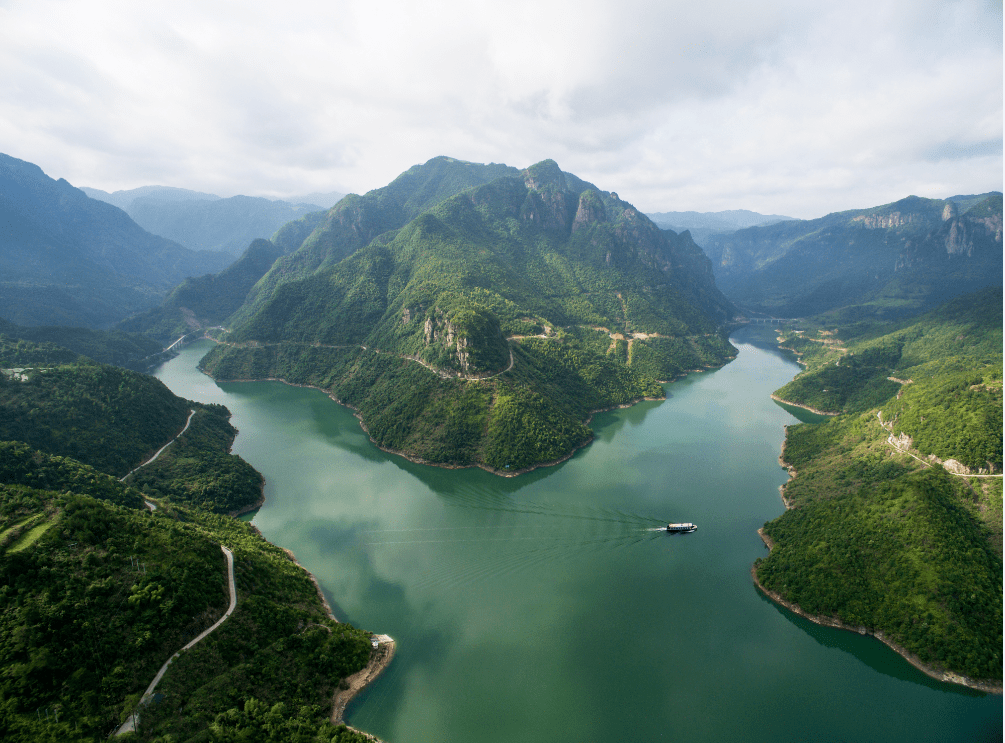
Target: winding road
<point>129,725</point>
<point>159,451</point>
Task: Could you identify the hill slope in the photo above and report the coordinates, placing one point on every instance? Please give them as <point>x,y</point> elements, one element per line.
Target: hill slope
<point>895,517</point>
<point>896,259</point>
<point>205,300</point>
<point>486,329</point>
<point>66,259</point>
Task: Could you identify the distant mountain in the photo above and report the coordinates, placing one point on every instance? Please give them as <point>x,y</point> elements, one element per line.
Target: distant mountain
<point>203,221</point>
<point>725,221</point>
<point>326,200</point>
<point>887,261</point>
<point>227,225</point>
<point>702,225</point>
<point>67,259</point>
<point>125,199</point>
<point>477,314</point>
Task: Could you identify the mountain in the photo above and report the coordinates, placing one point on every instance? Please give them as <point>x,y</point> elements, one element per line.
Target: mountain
<point>66,259</point>
<point>482,324</point>
<point>326,199</point>
<point>227,225</point>
<point>356,220</point>
<point>208,300</point>
<point>893,524</point>
<point>203,221</point>
<point>125,199</point>
<point>891,260</point>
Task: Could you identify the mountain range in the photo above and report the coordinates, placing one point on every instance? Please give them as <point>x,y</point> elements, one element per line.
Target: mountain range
<point>887,261</point>
<point>66,259</point>
<point>202,221</point>
<point>703,225</point>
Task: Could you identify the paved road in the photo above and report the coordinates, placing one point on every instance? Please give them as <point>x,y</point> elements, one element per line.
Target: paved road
<point>190,414</point>
<point>129,725</point>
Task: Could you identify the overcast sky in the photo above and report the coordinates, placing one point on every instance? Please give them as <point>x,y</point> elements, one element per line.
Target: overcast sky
<point>781,106</point>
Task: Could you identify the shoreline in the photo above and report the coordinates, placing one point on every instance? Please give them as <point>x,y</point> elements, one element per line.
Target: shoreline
<point>317,586</point>
<point>776,398</point>
<point>986,686</point>
<point>944,676</point>
<point>379,661</point>
<point>445,465</point>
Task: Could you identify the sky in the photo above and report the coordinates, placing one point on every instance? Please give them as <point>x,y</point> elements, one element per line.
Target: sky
<point>784,107</point>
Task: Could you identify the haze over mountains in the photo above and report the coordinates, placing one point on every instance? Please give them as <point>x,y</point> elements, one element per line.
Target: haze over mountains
<point>202,221</point>
<point>66,259</point>
<point>702,225</point>
<point>885,261</point>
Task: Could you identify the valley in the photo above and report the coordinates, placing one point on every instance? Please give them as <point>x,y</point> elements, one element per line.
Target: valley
<point>577,378</point>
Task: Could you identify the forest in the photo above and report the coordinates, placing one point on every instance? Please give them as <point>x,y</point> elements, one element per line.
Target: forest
<point>97,590</point>
<point>878,533</point>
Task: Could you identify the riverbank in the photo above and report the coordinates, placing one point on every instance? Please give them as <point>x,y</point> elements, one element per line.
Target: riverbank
<point>379,660</point>
<point>776,398</point>
<point>989,687</point>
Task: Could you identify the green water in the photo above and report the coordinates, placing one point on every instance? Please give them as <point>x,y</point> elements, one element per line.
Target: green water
<point>548,608</point>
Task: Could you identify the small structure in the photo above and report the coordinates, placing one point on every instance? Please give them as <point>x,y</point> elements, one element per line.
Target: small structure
<point>374,642</point>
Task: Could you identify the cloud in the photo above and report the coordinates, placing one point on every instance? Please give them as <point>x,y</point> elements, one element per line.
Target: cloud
<point>783,106</point>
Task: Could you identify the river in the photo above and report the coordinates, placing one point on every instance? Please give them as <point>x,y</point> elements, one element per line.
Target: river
<point>549,607</point>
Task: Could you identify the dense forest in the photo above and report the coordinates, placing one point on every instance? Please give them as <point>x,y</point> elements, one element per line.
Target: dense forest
<point>487,328</point>
<point>878,533</point>
<point>97,590</point>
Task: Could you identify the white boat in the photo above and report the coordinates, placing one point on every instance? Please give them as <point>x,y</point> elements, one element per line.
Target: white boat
<point>681,528</point>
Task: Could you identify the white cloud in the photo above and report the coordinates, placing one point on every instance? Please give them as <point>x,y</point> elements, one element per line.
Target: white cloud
<point>784,106</point>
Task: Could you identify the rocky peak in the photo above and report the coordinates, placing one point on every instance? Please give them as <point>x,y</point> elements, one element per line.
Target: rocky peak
<point>590,210</point>
<point>950,212</point>
<point>543,174</point>
<point>886,221</point>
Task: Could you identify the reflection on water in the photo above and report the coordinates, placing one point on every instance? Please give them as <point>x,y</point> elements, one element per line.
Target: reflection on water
<point>552,606</point>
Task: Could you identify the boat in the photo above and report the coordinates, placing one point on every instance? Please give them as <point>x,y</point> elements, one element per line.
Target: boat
<point>681,528</point>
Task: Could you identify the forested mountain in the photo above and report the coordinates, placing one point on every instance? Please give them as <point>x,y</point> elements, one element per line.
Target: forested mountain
<point>356,220</point>
<point>486,329</point>
<point>895,520</point>
<point>208,300</point>
<point>66,259</point>
<point>892,260</point>
<point>97,591</point>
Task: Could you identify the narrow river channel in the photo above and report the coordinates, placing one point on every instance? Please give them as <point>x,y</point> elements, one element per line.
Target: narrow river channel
<point>549,607</point>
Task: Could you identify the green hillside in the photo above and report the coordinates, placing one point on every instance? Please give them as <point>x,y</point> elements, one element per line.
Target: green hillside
<point>357,220</point>
<point>486,329</point>
<point>879,534</point>
<point>97,591</point>
<point>889,261</point>
<point>207,300</point>
<point>44,344</point>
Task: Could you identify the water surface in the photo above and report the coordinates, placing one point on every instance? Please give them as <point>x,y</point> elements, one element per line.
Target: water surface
<point>548,607</point>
